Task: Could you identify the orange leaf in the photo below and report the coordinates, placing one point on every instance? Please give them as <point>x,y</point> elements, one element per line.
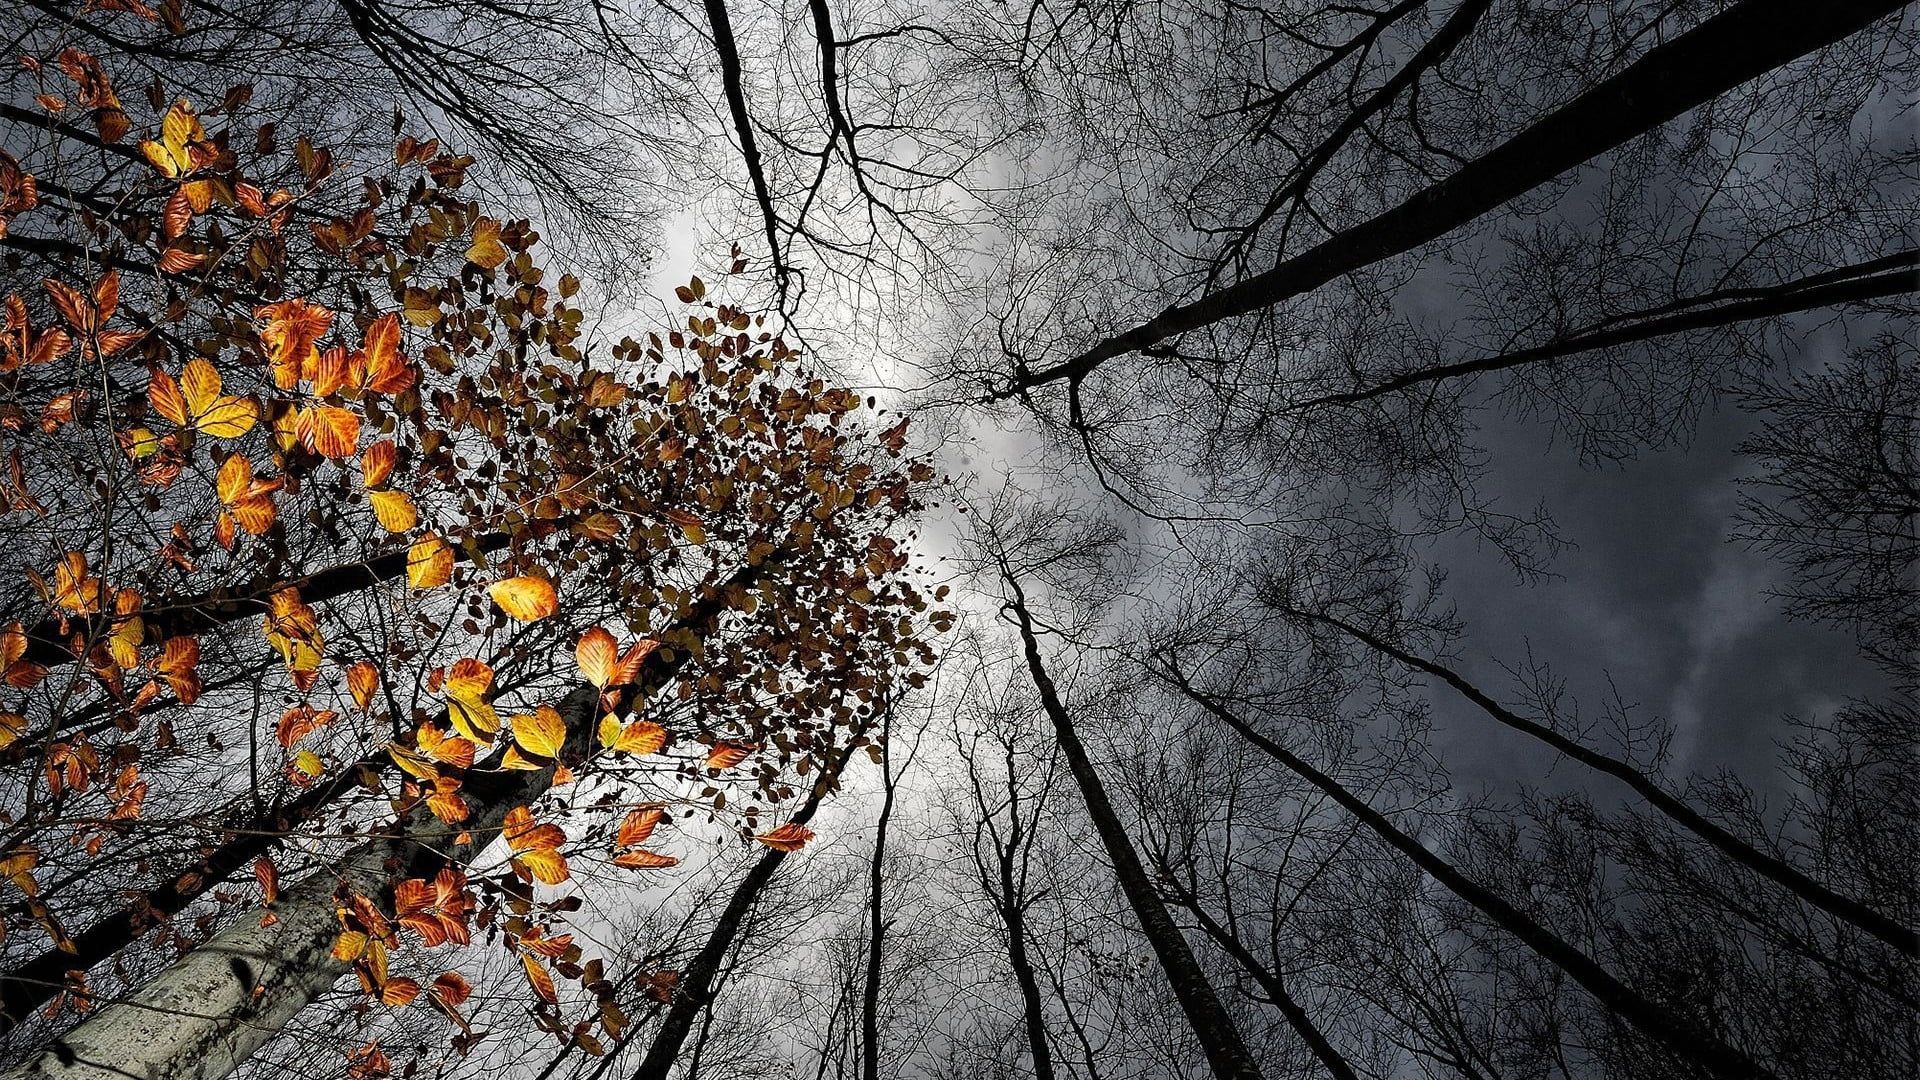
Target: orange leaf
<point>293,329</point>
<point>541,982</point>
<point>387,371</point>
<point>376,463</point>
<point>398,992</point>
<point>789,837</point>
<point>451,989</point>
<point>642,859</point>
<point>269,879</point>
<point>362,680</point>
<point>527,599</point>
<point>598,656</point>
<point>330,431</point>
<point>728,754</point>
<point>630,662</point>
<point>638,825</point>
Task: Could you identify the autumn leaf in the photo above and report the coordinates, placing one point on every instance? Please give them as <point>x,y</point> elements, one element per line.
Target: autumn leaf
<point>631,660</point>
<point>330,431</point>
<point>269,879</point>
<point>293,630</point>
<point>486,251</point>
<point>642,859</point>
<point>453,750</point>
<point>195,401</point>
<point>250,498</point>
<point>638,825</point>
<point>540,980</point>
<point>381,366</point>
<point>293,330</point>
<point>429,562</point>
<point>541,732</point>
<point>527,599</point>
<point>436,910</point>
<point>376,463</point>
<point>394,510</point>
<point>362,680</point>
<point>180,149</point>
<point>728,754</point>
<point>638,737</point>
<point>790,837</point>
<point>15,670</point>
<point>11,727</point>
<point>178,664</point>
<point>74,588</point>
<point>398,992</point>
<point>598,656</point>
<point>535,847</point>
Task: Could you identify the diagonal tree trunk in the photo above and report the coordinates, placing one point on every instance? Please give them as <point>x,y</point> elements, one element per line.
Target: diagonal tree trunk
<point>1739,44</point>
<point>1775,870</point>
<point>696,991</point>
<point>1891,275</point>
<point>47,645</point>
<point>1681,1037</point>
<point>1226,1051</point>
<point>213,1008</point>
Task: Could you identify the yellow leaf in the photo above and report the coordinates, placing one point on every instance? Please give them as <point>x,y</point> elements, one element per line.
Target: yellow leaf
<point>11,725</point>
<point>396,513</point>
<point>527,599</point>
<point>541,732</point>
<point>429,562</point>
<point>486,250</point>
<point>547,866</point>
<point>639,737</point>
<point>477,720</point>
<point>309,762</point>
<point>414,764</point>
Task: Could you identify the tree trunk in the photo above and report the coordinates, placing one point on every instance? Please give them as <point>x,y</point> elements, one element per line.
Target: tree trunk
<point>1276,990</point>
<point>215,1006</point>
<point>1682,1038</point>
<point>1737,45</point>
<point>876,917</point>
<point>1727,844</point>
<point>695,990</point>
<point>1226,1051</point>
<point>1891,275</point>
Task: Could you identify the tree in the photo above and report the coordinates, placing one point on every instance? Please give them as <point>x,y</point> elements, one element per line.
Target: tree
<point>725,508</point>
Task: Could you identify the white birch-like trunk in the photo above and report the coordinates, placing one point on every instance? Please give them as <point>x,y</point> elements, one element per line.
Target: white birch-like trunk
<point>211,1009</point>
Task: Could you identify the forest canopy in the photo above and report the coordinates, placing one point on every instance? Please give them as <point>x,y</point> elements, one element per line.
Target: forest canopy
<point>927,538</point>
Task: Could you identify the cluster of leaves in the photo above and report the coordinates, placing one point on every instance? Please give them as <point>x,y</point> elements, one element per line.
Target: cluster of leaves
<point>262,408</point>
